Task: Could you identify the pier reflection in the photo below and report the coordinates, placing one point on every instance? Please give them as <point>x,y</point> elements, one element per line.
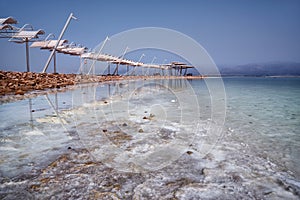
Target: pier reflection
<point>38,129</point>
<point>33,133</point>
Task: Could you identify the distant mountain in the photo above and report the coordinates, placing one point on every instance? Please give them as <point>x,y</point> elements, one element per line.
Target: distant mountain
<point>263,69</point>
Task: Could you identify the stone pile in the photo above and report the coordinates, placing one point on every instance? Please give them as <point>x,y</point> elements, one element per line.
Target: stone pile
<point>22,82</point>
<point>19,83</point>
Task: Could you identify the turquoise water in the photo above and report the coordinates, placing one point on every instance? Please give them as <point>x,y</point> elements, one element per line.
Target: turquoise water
<point>155,122</point>
<point>265,114</point>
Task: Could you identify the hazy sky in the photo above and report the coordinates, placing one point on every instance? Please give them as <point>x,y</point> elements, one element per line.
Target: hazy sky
<point>232,32</point>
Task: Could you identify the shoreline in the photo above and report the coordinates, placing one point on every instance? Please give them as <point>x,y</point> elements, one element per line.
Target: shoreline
<point>16,86</point>
<point>21,85</point>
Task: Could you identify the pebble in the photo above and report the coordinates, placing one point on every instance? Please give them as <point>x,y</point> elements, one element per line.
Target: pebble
<point>19,92</point>
<point>141,130</point>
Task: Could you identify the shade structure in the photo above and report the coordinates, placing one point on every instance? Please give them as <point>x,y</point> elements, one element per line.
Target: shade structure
<point>71,16</point>
<point>177,65</point>
<point>28,35</point>
<point>39,44</point>
<point>120,61</point>
<point>63,47</point>
<point>6,27</point>
<point>51,44</point>
<point>48,44</point>
<point>109,58</point>
<point>8,20</point>
<point>75,51</point>
<point>25,37</point>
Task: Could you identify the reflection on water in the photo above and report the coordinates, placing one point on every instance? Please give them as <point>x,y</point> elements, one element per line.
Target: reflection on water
<point>28,141</point>
<point>36,130</point>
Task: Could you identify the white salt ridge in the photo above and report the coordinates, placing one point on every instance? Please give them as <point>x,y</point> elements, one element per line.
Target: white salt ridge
<point>34,133</point>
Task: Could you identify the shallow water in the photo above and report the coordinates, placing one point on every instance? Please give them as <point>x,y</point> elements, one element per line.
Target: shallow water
<point>147,127</point>
<point>265,114</point>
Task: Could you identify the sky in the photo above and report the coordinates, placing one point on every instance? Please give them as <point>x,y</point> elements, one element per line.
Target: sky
<point>233,32</point>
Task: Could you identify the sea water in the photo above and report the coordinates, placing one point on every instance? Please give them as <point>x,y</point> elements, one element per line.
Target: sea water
<point>265,114</point>
<point>146,125</point>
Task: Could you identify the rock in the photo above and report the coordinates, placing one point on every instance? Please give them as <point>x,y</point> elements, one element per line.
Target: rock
<point>39,87</point>
<point>19,92</point>
<point>2,75</point>
<point>141,130</point>
<point>205,171</point>
<point>31,83</point>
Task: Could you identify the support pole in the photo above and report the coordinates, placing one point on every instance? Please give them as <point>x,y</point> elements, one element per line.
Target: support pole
<point>94,72</point>
<point>81,65</point>
<point>27,55</point>
<point>57,43</point>
<point>54,62</point>
<point>185,71</point>
<point>98,54</point>
<point>108,69</point>
<point>30,112</point>
<point>116,70</point>
<point>56,102</point>
<point>109,93</point>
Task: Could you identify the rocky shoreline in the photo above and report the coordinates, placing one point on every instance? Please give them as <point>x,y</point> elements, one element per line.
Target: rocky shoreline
<point>20,85</point>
